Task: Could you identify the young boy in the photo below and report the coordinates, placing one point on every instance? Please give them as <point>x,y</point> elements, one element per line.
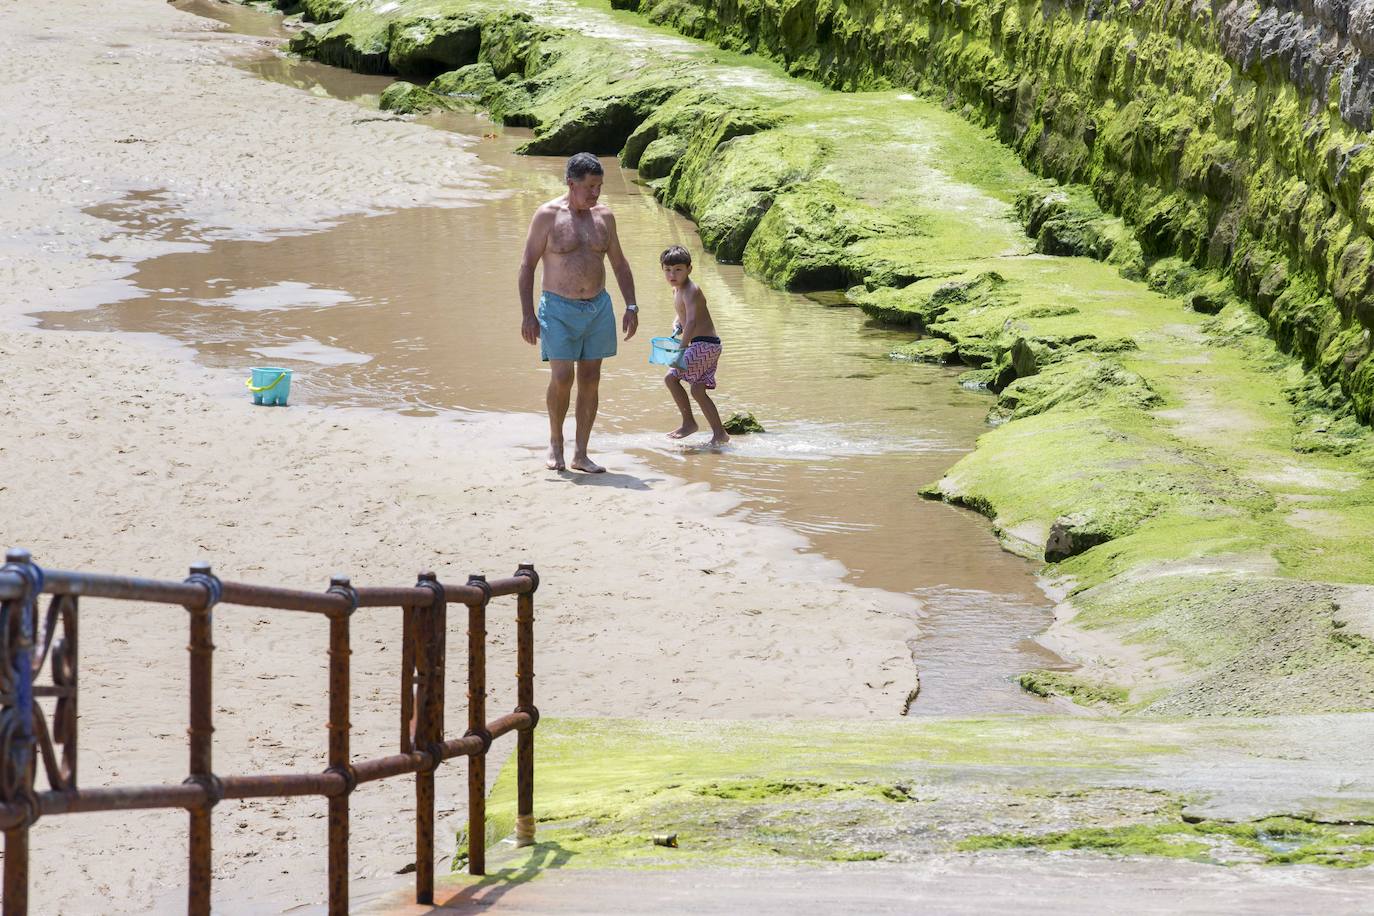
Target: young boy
<point>697,364</point>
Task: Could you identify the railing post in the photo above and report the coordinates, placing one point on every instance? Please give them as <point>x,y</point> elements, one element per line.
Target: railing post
<point>201,735</point>
<point>429,629</point>
<point>17,624</point>
<point>339,725</point>
<point>477,725</point>
<point>524,677</point>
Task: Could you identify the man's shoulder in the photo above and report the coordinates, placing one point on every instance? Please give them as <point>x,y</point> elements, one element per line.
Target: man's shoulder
<point>551,207</point>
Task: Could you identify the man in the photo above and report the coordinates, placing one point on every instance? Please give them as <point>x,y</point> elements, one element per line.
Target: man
<point>575,323</point>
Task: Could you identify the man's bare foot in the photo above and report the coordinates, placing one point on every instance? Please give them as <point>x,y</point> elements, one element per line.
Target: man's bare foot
<point>586,465</point>
<point>555,459</point>
<point>720,438</point>
<point>683,431</point>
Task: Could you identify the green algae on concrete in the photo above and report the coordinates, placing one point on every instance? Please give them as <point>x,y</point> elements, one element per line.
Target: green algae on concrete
<point>1272,841</point>
<point>847,792</point>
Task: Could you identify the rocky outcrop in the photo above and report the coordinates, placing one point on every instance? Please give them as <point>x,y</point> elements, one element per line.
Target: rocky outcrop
<point>1229,134</point>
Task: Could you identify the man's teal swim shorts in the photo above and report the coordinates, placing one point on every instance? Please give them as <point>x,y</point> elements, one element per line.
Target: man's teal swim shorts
<point>576,328</point>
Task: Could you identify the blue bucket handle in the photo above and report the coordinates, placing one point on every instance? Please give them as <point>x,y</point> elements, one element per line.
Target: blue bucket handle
<point>250,386</point>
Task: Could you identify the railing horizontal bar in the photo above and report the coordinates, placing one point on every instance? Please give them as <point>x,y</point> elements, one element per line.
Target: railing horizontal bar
<point>281,785</point>
<point>386,767</point>
<point>94,585</point>
<point>284,785</point>
<point>462,747</point>
<point>514,585</point>
<point>285,599</point>
<point>186,795</point>
<point>11,586</point>
<point>510,722</point>
<point>394,597</point>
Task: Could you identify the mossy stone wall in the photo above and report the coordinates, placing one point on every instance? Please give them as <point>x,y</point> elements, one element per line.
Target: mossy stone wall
<point>1233,135</point>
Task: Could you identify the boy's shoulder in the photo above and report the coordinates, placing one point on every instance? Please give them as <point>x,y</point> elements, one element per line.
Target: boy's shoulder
<point>695,292</point>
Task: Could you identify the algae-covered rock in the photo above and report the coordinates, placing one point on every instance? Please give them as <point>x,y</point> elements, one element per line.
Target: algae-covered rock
<point>1045,683</point>
<point>506,100</point>
<point>598,125</point>
<point>730,172</point>
<point>1070,535</point>
<point>800,242</point>
<point>408,98</point>
<point>660,156</point>
<point>742,422</point>
<point>1067,221</point>
<point>509,41</point>
<point>422,48</point>
<point>927,350</point>
<point>1076,382</point>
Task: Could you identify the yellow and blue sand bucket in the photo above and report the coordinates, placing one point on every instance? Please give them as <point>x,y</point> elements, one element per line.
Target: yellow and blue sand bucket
<point>270,385</point>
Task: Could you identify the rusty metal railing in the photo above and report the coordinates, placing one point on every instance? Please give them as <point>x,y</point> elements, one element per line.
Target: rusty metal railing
<point>28,639</point>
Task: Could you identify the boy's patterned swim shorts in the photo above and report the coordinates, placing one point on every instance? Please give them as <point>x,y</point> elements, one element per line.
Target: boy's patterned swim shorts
<point>698,363</point>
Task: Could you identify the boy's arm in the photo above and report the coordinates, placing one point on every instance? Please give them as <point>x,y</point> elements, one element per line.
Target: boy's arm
<point>535,241</point>
<point>620,265</point>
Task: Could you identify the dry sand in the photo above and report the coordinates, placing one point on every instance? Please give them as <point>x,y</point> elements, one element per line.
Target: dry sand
<point>119,455</point>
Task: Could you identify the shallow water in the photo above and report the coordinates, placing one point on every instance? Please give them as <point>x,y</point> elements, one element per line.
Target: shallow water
<point>416,311</point>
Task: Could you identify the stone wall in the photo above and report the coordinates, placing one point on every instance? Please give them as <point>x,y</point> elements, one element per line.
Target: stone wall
<point>1228,135</point>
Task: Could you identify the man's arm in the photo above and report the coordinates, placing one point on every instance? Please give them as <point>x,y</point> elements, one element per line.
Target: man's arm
<point>535,242</point>
<point>623,277</point>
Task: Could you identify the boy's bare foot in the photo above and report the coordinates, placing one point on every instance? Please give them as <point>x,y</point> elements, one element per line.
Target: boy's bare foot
<point>586,465</point>
<point>683,431</point>
<point>720,439</point>
<point>555,459</point>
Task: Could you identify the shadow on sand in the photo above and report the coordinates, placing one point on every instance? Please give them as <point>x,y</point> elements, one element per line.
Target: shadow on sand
<point>608,479</point>
<point>492,887</point>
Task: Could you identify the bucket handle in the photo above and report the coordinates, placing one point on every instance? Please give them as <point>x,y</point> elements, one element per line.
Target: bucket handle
<point>249,384</point>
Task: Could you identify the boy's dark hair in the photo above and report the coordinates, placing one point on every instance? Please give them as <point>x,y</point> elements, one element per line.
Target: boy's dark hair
<point>582,165</point>
<point>675,254</point>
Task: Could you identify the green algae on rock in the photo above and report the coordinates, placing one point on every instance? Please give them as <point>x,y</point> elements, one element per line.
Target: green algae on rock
<point>742,422</point>
<point>1232,139</point>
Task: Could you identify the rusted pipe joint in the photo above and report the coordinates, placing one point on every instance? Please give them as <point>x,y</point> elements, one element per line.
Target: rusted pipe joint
<point>211,784</point>
<point>527,570</point>
<point>532,711</point>
<point>350,777</point>
<point>480,583</point>
<point>214,589</point>
<point>341,585</point>
<point>427,580</point>
<point>481,733</point>
<point>435,750</point>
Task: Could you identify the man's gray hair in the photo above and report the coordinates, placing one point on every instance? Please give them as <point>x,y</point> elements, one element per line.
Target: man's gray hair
<point>582,165</point>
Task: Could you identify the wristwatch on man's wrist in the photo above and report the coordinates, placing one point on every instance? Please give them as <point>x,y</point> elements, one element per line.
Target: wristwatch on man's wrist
<point>631,307</point>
